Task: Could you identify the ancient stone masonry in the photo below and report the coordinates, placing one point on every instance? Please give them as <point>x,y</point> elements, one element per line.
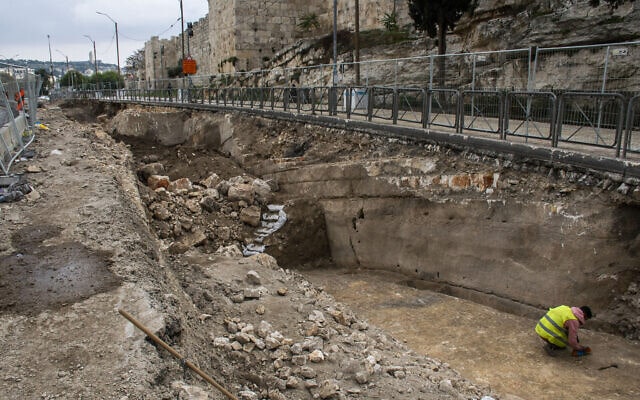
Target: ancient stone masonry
<point>242,35</point>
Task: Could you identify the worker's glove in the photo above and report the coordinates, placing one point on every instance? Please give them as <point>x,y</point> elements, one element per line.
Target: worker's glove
<point>580,353</point>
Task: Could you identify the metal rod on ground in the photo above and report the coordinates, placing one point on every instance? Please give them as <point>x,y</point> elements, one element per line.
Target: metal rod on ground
<point>176,354</point>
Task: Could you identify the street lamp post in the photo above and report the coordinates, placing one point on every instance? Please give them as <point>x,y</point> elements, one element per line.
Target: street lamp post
<point>117,45</point>
<point>50,58</point>
<point>95,56</point>
<point>68,68</point>
<point>66,58</point>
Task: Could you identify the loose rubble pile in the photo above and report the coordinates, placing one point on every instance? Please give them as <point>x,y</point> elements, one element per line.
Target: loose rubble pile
<point>211,213</point>
<point>291,340</point>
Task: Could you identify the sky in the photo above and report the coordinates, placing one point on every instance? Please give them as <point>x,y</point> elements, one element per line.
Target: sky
<point>26,24</point>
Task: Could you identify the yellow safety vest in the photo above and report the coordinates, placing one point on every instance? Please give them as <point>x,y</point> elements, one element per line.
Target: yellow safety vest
<point>551,326</point>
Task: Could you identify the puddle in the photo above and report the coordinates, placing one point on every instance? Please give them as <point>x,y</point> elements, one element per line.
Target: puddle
<point>38,277</point>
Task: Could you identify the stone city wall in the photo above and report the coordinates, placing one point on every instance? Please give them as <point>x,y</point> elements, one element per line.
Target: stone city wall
<point>245,33</point>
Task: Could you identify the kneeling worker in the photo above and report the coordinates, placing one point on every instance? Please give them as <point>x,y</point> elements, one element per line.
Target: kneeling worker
<point>559,329</point>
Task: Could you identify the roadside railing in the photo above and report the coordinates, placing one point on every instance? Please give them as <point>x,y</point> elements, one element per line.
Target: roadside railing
<point>596,120</point>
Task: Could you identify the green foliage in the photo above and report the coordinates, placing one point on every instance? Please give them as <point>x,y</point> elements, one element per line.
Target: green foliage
<point>390,21</point>
<point>73,78</point>
<point>109,79</point>
<point>308,22</point>
<point>232,60</point>
<point>436,17</point>
<point>428,15</point>
<point>379,37</point>
<point>175,72</point>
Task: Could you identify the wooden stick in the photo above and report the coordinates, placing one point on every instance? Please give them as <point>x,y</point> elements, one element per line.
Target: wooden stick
<point>176,354</point>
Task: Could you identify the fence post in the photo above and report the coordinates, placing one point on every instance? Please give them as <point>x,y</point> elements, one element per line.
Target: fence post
<point>395,106</point>
<point>370,103</point>
<point>425,108</point>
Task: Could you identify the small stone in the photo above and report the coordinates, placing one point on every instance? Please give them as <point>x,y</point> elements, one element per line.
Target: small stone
<point>252,293</point>
<point>293,382</point>
<point>307,372</point>
<point>299,360</point>
<point>264,329</point>
<point>180,184</point>
<point>328,388</point>
<point>282,291</point>
<point>211,181</point>
<point>236,346</point>
<point>362,377</point>
<point>157,181</point>
<point>260,310</point>
<point>251,216</point>
<point>316,356</point>
<point>253,278</point>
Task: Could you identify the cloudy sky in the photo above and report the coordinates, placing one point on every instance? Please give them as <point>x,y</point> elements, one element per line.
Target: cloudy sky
<point>26,24</point>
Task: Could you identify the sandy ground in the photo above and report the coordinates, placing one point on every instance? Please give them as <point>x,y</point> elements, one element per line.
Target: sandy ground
<point>486,345</point>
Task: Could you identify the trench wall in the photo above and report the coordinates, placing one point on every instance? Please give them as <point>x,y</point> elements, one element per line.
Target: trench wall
<point>464,233</point>
<point>515,254</point>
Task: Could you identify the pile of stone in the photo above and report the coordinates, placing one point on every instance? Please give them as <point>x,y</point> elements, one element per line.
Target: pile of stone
<point>212,212</point>
<point>290,339</point>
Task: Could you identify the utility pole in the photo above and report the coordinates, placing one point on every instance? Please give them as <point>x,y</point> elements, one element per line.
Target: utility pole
<point>357,43</point>
<point>335,42</point>
<point>182,23</point>
<point>117,43</point>
<point>95,55</point>
<point>50,57</point>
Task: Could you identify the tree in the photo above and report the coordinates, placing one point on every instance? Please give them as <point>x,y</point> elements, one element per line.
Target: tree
<point>108,79</point>
<point>73,78</point>
<point>135,61</point>
<point>47,81</point>
<point>612,3</point>
<point>436,17</point>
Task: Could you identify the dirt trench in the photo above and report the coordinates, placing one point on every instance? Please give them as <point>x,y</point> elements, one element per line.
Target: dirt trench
<point>328,181</point>
<point>326,228</point>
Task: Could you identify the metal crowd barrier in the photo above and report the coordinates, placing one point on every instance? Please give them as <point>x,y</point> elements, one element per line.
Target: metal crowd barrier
<point>593,119</point>
<point>632,136</point>
<point>533,114</point>
<point>18,113</point>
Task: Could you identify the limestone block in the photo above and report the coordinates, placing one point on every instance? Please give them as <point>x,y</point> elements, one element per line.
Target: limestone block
<point>157,181</point>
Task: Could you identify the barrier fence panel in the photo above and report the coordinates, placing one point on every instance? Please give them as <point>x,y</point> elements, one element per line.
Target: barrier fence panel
<point>482,111</point>
<point>279,98</point>
<point>383,103</point>
<point>530,114</point>
<point>321,100</point>
<point>442,108</point>
<point>411,105</point>
<point>595,119</point>
<point>632,136</point>
<point>357,101</point>
<point>604,68</point>
<point>17,102</point>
